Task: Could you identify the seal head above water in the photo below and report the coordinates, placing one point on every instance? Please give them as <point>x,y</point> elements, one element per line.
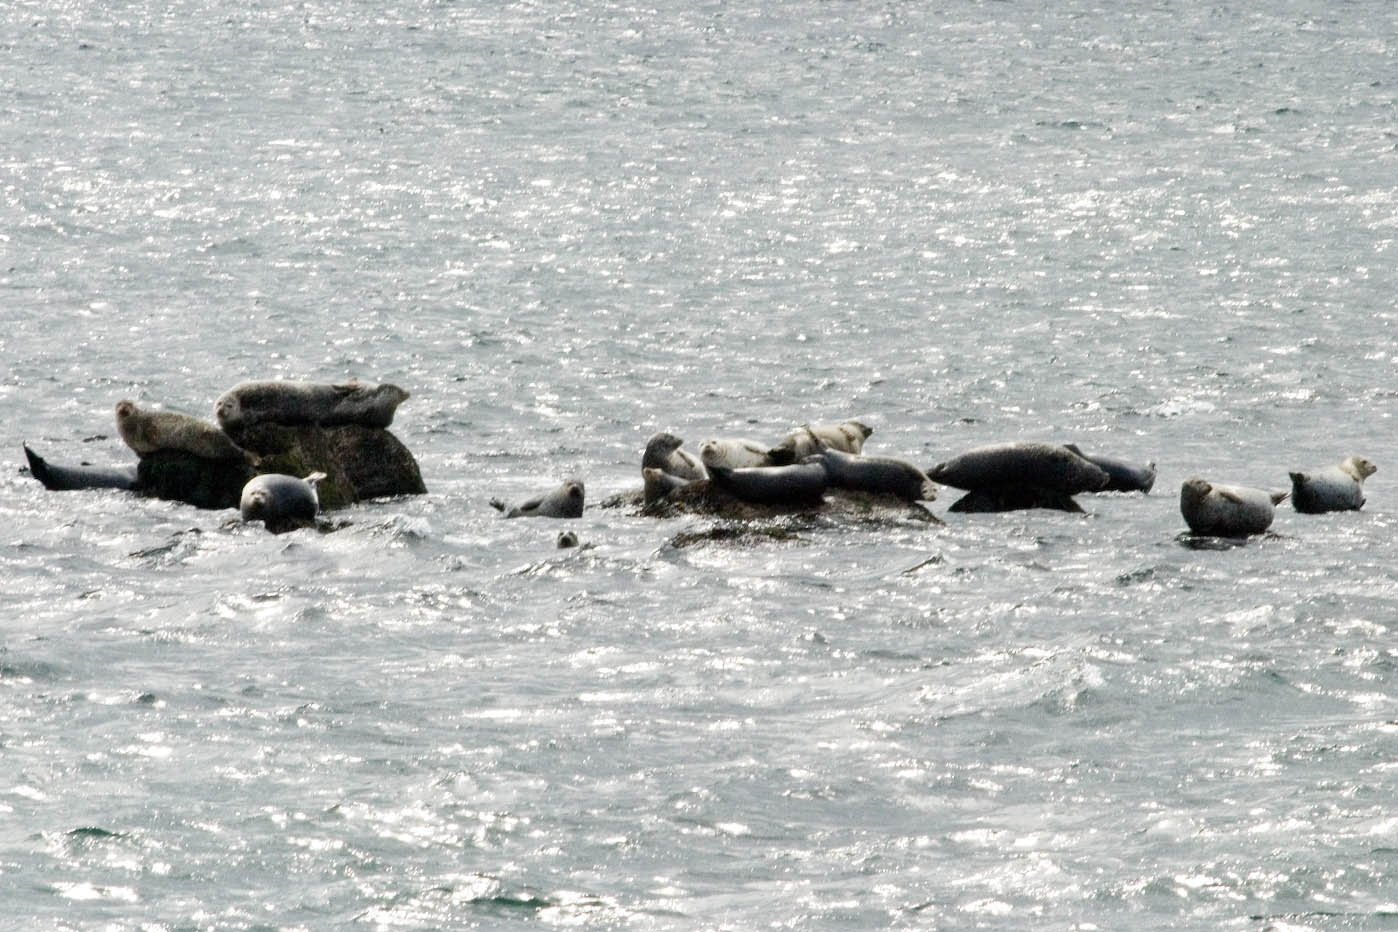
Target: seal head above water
<point>281,502</point>
<point>566,501</point>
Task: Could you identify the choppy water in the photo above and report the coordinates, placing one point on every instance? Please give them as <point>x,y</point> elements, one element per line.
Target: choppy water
<point>1162,230</point>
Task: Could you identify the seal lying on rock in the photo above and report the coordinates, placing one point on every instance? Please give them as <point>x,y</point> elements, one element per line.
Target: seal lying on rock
<point>733,453</point>
<point>660,483</point>
<point>327,405</point>
<point>65,478</point>
<point>1221,510</point>
<point>663,452</point>
<point>797,485</point>
<point>1049,466</point>
<point>879,474</point>
<point>1336,488</point>
<point>281,502</point>
<point>1122,476</point>
<point>845,436</point>
<point>566,501</point>
<point>148,431</point>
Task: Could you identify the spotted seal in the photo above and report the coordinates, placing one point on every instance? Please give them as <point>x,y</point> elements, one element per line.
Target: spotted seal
<point>147,431</point>
<point>1335,488</point>
<point>1219,510</point>
<point>1122,476</point>
<point>795,485</point>
<point>663,452</point>
<point>845,436</point>
<point>1049,466</point>
<point>566,501</point>
<point>279,501</point>
<point>292,403</point>
<point>883,475</point>
<point>733,453</point>
<point>660,483</point>
<point>83,476</point>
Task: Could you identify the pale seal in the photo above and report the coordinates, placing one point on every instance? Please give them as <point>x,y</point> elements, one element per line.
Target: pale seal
<point>298,403</point>
<point>660,483</point>
<point>797,485</point>
<point>1335,488</point>
<point>84,476</point>
<point>663,452</point>
<point>149,431</point>
<point>1218,510</point>
<point>1047,466</point>
<point>1122,476</point>
<point>733,453</point>
<point>566,501</point>
<point>845,436</point>
<point>281,502</point>
<point>879,474</point>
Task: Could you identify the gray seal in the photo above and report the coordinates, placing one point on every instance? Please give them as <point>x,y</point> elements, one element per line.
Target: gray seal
<point>1219,510</point>
<point>1335,488</point>
<point>883,475</point>
<point>663,452</point>
<point>281,502</point>
<point>1122,476</point>
<point>1047,466</point>
<point>308,403</point>
<point>808,439</point>
<point>566,501</point>
<point>796,485</point>
<point>58,478</point>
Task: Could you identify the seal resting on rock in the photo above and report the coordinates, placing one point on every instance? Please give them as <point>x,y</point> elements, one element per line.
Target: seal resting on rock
<point>660,483</point>
<point>1219,510</point>
<point>149,431</point>
<point>883,475</point>
<point>1048,466</point>
<point>1336,488</point>
<point>566,501</point>
<point>796,485</point>
<point>281,502</point>
<point>1122,476</point>
<point>845,436</point>
<point>663,452</point>
<point>323,404</point>
<point>66,478</point>
<point>733,453</point>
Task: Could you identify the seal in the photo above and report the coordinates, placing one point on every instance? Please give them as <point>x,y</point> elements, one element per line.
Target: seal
<point>291,403</point>
<point>733,453</point>
<point>1335,488</point>
<point>845,436</point>
<point>660,483</point>
<point>281,502</point>
<point>1219,510</point>
<point>1122,476</point>
<point>663,452</point>
<point>566,501</point>
<point>149,431</point>
<point>1047,466</point>
<point>83,476</point>
<point>796,485</point>
<point>882,475</point>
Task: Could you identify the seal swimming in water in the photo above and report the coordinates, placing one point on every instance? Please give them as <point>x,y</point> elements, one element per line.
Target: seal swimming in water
<point>1335,488</point>
<point>733,453</point>
<point>296,403</point>
<point>1048,466</point>
<point>663,452</point>
<point>845,436</point>
<point>148,431</point>
<point>281,502</point>
<point>566,501</point>
<point>66,478</point>
<point>795,485</point>
<point>1122,476</point>
<point>879,474</point>
<point>1219,510</point>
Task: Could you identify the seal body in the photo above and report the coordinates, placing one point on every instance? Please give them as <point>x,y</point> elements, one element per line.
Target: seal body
<point>295,403</point>
<point>566,501</point>
<point>845,436</point>
<point>1219,510</point>
<point>883,475</point>
<point>66,478</point>
<point>733,453</point>
<point>794,485</point>
<point>279,501</point>
<point>148,431</point>
<point>1122,476</point>
<point>1047,466</point>
<point>663,452</point>
<point>1336,488</point>
<point>660,483</point>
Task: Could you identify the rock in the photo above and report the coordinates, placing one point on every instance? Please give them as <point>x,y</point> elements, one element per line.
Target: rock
<point>359,462</point>
<point>701,498</point>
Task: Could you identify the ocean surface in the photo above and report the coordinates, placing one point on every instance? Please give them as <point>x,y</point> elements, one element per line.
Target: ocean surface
<point>1161,230</point>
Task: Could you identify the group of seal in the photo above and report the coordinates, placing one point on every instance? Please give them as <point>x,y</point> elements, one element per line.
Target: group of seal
<point>1218,509</point>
